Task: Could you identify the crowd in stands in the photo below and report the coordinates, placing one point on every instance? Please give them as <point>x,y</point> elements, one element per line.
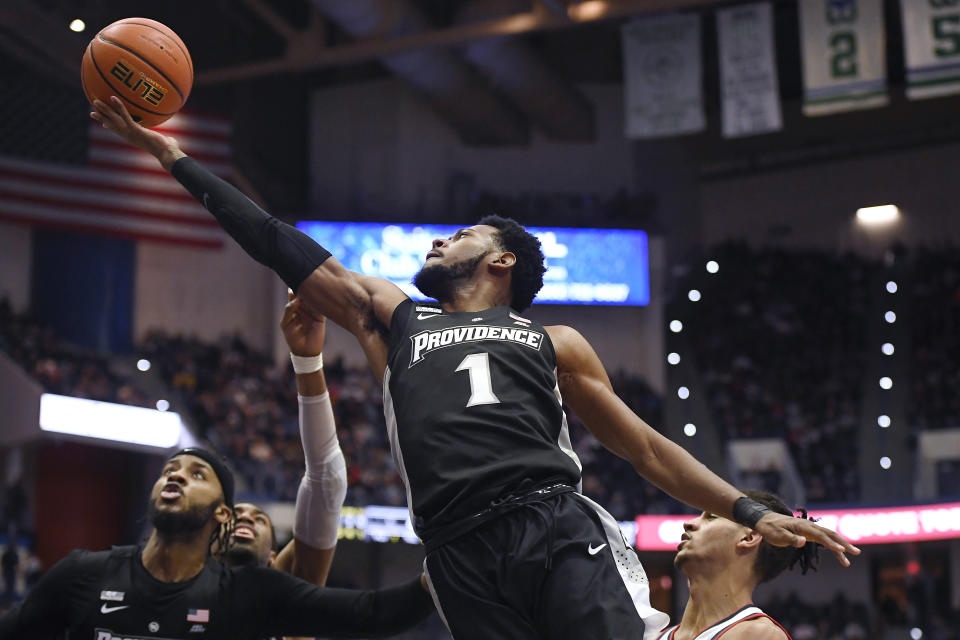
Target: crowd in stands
<point>778,337</point>
<point>61,367</point>
<point>839,619</point>
<point>935,363</point>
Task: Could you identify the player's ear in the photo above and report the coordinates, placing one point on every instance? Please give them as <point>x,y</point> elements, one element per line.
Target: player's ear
<point>222,514</point>
<point>750,540</point>
<point>272,559</point>
<point>503,261</point>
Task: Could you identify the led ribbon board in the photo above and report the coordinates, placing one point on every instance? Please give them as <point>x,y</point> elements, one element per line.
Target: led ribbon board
<point>584,266</point>
<point>860,526</point>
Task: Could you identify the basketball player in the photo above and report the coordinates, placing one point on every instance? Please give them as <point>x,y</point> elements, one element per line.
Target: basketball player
<point>324,484</point>
<point>724,562</point>
<point>472,400</point>
<point>173,588</point>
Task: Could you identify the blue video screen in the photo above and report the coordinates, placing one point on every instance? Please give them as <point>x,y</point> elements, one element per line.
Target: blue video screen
<point>584,266</point>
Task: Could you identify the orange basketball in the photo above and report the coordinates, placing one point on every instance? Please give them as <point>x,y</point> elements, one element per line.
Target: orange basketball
<point>144,63</point>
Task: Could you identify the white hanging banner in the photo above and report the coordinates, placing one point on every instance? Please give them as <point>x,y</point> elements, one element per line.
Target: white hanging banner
<point>844,55</point>
<point>663,76</point>
<point>748,71</point>
<point>931,33</point>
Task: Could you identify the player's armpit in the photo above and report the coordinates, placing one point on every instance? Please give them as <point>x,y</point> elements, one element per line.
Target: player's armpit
<point>756,629</point>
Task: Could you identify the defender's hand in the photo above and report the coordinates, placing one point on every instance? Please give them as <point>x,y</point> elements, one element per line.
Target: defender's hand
<point>115,117</point>
<point>303,332</point>
<point>786,531</point>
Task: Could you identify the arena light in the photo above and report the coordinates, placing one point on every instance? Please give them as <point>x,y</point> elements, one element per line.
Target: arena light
<point>109,421</point>
<point>676,326</point>
<point>887,348</point>
<point>690,429</point>
<point>589,10</point>
<point>78,25</point>
<point>683,393</point>
<point>891,287</point>
<point>890,317</point>
<point>916,633</point>
<point>886,382</point>
<point>882,214</point>
<point>143,364</point>
<point>886,462</point>
<point>162,405</point>
<point>883,421</point>
<point>693,295</point>
<point>673,358</point>
<point>713,266</point>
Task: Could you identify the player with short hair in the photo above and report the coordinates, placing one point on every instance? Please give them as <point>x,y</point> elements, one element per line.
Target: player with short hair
<point>173,588</point>
<point>724,562</point>
<point>473,399</point>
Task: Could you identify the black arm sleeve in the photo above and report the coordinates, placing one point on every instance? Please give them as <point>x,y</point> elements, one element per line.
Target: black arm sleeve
<point>292,254</point>
<point>44,613</point>
<point>293,607</point>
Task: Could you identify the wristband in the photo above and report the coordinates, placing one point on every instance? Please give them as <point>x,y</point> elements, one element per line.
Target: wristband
<point>748,512</point>
<point>307,364</point>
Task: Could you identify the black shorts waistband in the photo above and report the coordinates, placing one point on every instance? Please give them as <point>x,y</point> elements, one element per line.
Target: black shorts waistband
<point>497,508</point>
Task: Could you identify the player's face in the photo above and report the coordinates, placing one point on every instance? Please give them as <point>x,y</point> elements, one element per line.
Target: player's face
<point>253,533</point>
<point>463,245</point>
<point>708,538</point>
<point>454,259</point>
<point>186,484</point>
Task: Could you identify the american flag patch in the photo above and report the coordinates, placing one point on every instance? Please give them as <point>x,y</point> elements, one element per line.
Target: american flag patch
<point>198,615</point>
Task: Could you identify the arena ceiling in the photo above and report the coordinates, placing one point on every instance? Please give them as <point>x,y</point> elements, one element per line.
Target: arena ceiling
<point>252,52</point>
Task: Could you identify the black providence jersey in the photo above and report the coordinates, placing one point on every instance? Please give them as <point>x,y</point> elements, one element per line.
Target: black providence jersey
<point>473,411</point>
<point>109,595</point>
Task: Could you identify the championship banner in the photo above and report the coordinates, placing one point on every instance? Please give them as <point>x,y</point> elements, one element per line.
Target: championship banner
<point>844,54</point>
<point>931,33</point>
<point>748,71</point>
<point>664,76</point>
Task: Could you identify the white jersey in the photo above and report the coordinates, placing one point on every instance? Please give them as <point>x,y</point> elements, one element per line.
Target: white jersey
<point>749,612</point>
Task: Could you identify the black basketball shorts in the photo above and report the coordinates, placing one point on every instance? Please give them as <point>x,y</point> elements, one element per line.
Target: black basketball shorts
<point>553,569</point>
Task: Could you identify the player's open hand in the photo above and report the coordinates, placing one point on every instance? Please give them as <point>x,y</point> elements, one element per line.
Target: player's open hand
<point>303,331</point>
<point>113,115</point>
<point>787,531</point>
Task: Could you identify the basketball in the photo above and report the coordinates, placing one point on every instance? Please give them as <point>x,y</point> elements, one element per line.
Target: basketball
<point>144,63</point>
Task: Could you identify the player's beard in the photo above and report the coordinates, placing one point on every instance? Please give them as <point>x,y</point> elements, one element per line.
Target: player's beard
<point>182,523</point>
<point>241,555</point>
<point>439,281</point>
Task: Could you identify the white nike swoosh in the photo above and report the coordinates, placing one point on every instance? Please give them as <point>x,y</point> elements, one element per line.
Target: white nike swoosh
<point>421,316</point>
<point>594,551</point>
<point>206,196</point>
<point>106,609</point>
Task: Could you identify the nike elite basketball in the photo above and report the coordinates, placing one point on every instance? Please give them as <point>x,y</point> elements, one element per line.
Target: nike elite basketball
<point>144,63</point>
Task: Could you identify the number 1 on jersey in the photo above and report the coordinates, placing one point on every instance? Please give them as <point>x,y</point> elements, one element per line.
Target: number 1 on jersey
<point>481,385</point>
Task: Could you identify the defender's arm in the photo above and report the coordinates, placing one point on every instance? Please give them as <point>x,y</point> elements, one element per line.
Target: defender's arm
<point>324,483</point>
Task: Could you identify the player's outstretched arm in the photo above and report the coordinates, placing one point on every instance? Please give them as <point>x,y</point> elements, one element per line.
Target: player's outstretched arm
<point>324,483</point>
<point>326,287</point>
<point>587,390</point>
<point>287,606</point>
